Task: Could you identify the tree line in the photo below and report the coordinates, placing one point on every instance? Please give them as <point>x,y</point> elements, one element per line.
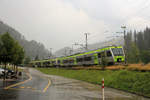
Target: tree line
<point>137,46</point>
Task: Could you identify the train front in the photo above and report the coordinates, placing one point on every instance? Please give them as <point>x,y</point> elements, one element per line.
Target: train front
<point>118,54</point>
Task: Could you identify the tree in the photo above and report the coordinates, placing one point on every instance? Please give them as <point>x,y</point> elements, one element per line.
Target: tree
<point>133,54</point>
<point>6,48</point>
<point>10,51</point>
<point>146,35</point>
<point>128,41</point>
<point>37,57</point>
<point>27,60</point>
<point>18,55</point>
<point>138,48</point>
<point>140,41</point>
<point>104,61</point>
<point>145,56</point>
<point>6,53</point>
<point>135,37</point>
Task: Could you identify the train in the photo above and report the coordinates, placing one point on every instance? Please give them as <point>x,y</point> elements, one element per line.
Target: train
<point>110,55</point>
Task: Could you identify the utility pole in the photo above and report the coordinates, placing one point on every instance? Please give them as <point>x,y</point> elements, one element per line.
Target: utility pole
<point>124,36</point>
<point>86,40</point>
<point>82,46</point>
<point>124,33</point>
<point>72,48</point>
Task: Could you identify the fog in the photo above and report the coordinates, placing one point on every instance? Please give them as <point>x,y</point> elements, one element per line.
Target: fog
<point>60,23</point>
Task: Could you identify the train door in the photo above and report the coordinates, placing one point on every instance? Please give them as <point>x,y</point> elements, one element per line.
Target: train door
<point>109,57</point>
<point>88,59</point>
<point>95,58</point>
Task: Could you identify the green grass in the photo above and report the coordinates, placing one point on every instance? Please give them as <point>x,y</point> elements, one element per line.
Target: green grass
<point>132,81</point>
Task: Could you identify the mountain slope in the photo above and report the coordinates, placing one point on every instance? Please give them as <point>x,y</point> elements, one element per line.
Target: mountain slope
<point>32,48</point>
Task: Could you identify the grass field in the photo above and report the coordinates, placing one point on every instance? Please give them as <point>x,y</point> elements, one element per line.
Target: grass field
<point>130,67</point>
<point>132,81</point>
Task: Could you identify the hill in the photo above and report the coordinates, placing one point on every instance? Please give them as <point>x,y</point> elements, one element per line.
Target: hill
<point>32,48</point>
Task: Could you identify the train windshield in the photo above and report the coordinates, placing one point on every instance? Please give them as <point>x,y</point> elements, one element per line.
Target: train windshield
<point>117,51</point>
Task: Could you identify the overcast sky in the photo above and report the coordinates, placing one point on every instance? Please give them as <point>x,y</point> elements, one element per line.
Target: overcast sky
<point>60,23</point>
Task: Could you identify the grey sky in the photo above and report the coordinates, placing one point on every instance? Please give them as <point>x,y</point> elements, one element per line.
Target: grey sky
<point>59,23</point>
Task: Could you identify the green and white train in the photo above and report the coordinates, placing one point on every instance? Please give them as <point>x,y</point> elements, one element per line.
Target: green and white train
<point>110,54</point>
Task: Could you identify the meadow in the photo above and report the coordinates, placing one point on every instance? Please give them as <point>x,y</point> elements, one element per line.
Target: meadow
<point>132,81</point>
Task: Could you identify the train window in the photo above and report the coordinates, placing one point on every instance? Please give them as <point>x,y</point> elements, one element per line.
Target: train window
<point>38,64</point>
<point>79,59</point>
<point>65,61</point>
<point>44,63</point>
<point>71,61</point>
<point>109,54</point>
<point>99,55</point>
<point>53,62</point>
<point>48,62</point>
<point>87,58</point>
<point>58,61</point>
<point>117,51</point>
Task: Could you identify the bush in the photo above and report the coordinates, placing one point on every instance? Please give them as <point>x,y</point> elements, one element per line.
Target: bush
<point>145,56</point>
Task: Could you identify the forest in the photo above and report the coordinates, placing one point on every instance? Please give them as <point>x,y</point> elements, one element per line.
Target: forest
<point>137,46</point>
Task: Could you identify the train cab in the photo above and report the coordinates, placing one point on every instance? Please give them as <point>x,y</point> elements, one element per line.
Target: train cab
<point>118,54</point>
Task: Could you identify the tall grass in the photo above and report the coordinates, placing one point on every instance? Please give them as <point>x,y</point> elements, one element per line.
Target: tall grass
<point>132,81</point>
